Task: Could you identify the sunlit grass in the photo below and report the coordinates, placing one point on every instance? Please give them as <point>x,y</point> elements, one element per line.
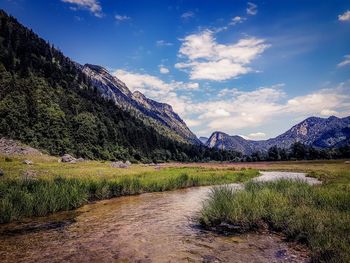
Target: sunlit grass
<point>318,216</point>
<point>53,186</point>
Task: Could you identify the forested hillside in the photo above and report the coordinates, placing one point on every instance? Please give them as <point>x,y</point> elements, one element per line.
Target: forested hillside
<point>48,103</point>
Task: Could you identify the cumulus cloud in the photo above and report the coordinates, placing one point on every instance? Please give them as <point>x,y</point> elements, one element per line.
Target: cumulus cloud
<point>234,109</point>
<point>122,18</point>
<point>252,9</point>
<point>157,89</point>
<point>250,109</point>
<point>207,59</point>
<point>345,62</point>
<point>345,16</point>
<point>93,6</point>
<point>163,69</point>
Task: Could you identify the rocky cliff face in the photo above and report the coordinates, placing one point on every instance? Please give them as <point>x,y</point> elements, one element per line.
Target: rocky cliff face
<point>160,115</point>
<point>224,141</point>
<point>314,131</point>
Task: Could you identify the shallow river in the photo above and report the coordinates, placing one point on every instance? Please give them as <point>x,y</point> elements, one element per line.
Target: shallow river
<point>152,227</point>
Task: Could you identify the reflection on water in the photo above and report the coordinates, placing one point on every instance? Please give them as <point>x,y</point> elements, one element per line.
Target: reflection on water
<point>153,227</point>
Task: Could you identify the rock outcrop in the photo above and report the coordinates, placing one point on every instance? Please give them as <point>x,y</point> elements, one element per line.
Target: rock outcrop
<point>11,147</point>
<point>120,164</point>
<point>67,158</point>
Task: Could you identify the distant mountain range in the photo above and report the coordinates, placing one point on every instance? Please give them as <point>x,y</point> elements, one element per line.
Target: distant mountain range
<point>329,132</point>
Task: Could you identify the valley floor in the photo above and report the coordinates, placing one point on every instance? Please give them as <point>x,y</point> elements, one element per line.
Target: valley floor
<point>46,185</point>
<point>318,216</point>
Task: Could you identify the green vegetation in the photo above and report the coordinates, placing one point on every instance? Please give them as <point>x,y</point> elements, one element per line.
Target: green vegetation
<point>318,216</point>
<point>48,186</point>
<point>299,151</point>
<point>47,102</point>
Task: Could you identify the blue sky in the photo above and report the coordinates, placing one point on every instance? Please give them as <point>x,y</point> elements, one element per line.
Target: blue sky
<point>249,68</point>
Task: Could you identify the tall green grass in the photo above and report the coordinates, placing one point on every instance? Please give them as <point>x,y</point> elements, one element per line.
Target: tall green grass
<point>316,216</point>
<point>25,197</point>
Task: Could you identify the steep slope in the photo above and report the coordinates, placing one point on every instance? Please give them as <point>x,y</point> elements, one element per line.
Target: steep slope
<point>314,131</point>
<point>317,132</point>
<point>224,141</point>
<point>48,102</point>
<point>159,115</point>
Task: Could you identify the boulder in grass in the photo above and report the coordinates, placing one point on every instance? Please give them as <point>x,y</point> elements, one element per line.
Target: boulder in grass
<point>128,163</point>
<point>2,173</point>
<point>67,158</point>
<point>347,162</point>
<point>80,160</point>
<point>29,162</point>
<point>119,164</point>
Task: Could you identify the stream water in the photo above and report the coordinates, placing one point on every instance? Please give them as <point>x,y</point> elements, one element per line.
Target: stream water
<point>152,227</point>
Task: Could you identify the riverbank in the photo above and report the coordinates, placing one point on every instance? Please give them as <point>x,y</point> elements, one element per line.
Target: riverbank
<point>150,227</point>
<point>318,216</point>
<point>46,186</point>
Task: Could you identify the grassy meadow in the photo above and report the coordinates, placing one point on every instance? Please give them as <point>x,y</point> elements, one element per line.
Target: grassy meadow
<point>49,186</point>
<point>318,216</point>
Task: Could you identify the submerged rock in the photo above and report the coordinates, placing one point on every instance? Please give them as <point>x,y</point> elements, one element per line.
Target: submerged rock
<point>67,158</point>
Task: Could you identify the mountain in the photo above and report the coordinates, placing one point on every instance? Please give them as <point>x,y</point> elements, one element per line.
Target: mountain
<point>318,132</point>
<point>160,115</point>
<point>52,103</point>
<point>224,141</point>
<point>203,140</point>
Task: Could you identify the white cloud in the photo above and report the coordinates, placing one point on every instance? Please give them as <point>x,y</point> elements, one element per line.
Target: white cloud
<point>187,15</point>
<point>252,9</point>
<point>345,62</point>
<point>207,59</point>
<point>238,109</point>
<point>192,122</point>
<point>327,112</point>
<point>345,16</point>
<point>256,136</point>
<point>157,89</point>
<point>163,69</point>
<point>121,18</point>
<point>233,109</point>
<point>236,20</point>
<point>93,6</point>
<point>163,43</point>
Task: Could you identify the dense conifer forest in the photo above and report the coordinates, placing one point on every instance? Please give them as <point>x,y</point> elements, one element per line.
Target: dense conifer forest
<point>47,102</point>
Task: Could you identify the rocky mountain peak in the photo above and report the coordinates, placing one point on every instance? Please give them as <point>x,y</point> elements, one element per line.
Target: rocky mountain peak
<point>147,109</point>
<point>97,68</point>
<point>106,82</point>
